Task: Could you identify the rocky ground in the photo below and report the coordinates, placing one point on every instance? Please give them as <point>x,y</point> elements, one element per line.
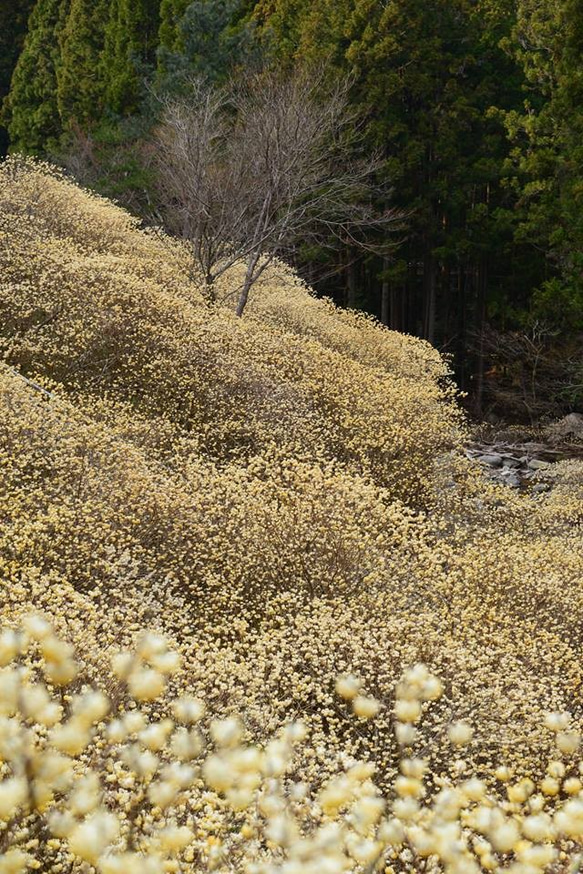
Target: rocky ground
<point>516,456</point>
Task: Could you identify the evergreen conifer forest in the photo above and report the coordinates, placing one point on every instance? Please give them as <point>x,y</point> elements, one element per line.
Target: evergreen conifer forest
<point>291,475</point>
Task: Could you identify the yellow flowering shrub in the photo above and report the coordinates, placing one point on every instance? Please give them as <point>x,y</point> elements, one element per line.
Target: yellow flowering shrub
<point>99,307</point>
<point>283,503</point>
<point>132,780</point>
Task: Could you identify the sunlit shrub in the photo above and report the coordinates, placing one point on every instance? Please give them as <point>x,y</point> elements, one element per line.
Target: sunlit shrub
<point>98,306</point>
<point>132,782</point>
<point>284,498</point>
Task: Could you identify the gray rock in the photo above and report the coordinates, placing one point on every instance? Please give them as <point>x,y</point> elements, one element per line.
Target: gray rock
<point>491,460</point>
<point>569,426</point>
<point>510,462</point>
<point>538,464</point>
<point>540,488</point>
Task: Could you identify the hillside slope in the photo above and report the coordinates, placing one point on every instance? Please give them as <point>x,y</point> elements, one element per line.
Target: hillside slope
<point>283,496</point>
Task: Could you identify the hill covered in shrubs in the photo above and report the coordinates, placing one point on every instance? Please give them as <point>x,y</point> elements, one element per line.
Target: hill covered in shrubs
<point>284,499</point>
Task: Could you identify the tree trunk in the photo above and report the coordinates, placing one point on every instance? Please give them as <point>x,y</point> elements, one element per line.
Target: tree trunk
<point>249,279</point>
<point>350,282</point>
<point>209,289</point>
<point>461,326</point>
<point>447,296</point>
<point>412,311</point>
<point>385,294</point>
<point>480,320</point>
<point>396,316</point>
<point>429,297</point>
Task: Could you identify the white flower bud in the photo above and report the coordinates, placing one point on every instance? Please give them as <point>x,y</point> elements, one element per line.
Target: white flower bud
<point>9,646</point>
<point>460,733</point>
<point>70,737</point>
<point>217,773</point>
<point>226,732</point>
<point>188,710</point>
<point>54,769</point>
<point>89,839</point>
<point>186,745</point>
<point>55,650</point>
<point>407,710</point>
<point>162,793</point>
<point>36,626</point>
<point>14,861</point>
<point>155,735</point>
<point>85,796</point>
<point>61,673</point>
<point>134,721</point>
<point>432,689</point>
<point>406,734</point>
<point>568,741</point>
<point>365,708</point>
<point>295,732</point>
<point>538,828</point>
<point>173,839</point>
<point>557,721</point>
<point>145,684</point>
<point>281,830</point>
<point>122,663</point>
<point>10,684</point>
<point>116,731</point>
<point>504,836</point>
<point>348,686</point>
<point>152,644</point>
<point>392,832</point>
<point>61,823</point>
<point>182,775</point>
<point>167,662</point>
<point>13,794</point>
<point>90,707</point>
<point>131,863</point>
<point>146,764</point>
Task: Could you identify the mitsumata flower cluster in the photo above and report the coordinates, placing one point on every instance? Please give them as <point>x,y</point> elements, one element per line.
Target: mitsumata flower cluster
<point>260,613</point>
<point>155,785</point>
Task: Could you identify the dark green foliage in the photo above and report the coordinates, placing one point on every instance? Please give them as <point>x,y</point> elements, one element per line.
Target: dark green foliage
<point>82,60</point>
<point>131,37</point>
<point>171,14</point>
<point>547,158</point>
<point>428,75</point>
<point>32,108</point>
<point>205,37</point>
<point>13,27</point>
<point>80,90</point>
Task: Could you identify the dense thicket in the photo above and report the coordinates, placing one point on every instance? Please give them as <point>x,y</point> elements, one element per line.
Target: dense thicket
<point>475,108</point>
<point>285,497</point>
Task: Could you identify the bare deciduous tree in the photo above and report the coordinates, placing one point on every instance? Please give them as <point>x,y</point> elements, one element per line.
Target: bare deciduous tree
<point>246,174</point>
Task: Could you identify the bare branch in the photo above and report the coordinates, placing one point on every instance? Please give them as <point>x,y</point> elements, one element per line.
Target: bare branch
<point>252,173</point>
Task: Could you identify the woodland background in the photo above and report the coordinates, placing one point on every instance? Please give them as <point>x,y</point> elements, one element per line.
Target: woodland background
<point>475,106</point>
